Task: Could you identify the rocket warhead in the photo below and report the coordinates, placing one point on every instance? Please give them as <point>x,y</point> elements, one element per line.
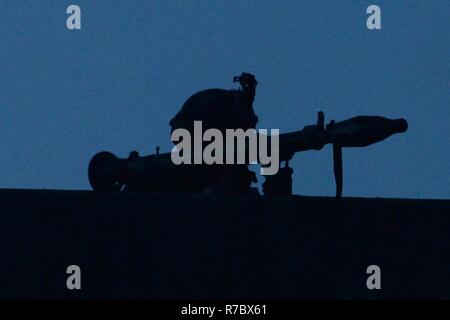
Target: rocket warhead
<point>400,125</point>
<point>362,131</point>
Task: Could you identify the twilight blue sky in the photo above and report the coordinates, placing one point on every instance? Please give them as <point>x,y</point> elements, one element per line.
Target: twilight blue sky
<point>115,84</point>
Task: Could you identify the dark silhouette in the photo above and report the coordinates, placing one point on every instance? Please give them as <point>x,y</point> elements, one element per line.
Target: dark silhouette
<point>279,184</point>
<point>171,246</point>
<point>220,109</point>
<point>233,109</point>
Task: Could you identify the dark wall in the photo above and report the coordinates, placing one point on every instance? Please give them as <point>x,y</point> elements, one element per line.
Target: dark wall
<point>140,245</point>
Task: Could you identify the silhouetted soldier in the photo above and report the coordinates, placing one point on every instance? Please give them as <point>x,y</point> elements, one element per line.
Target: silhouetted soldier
<point>233,109</point>
<point>223,109</point>
<point>220,109</point>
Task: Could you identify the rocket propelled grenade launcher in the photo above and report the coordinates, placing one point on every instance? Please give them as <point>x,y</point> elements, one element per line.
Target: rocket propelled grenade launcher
<point>157,173</point>
<point>360,131</point>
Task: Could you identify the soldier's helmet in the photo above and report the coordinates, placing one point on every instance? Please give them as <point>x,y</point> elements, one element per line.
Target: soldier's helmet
<point>246,80</point>
<point>220,109</point>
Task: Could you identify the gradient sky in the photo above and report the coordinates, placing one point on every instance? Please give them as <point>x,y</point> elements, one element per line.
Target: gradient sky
<point>115,84</point>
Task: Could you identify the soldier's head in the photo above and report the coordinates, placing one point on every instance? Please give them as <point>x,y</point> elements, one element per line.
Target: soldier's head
<point>247,81</point>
